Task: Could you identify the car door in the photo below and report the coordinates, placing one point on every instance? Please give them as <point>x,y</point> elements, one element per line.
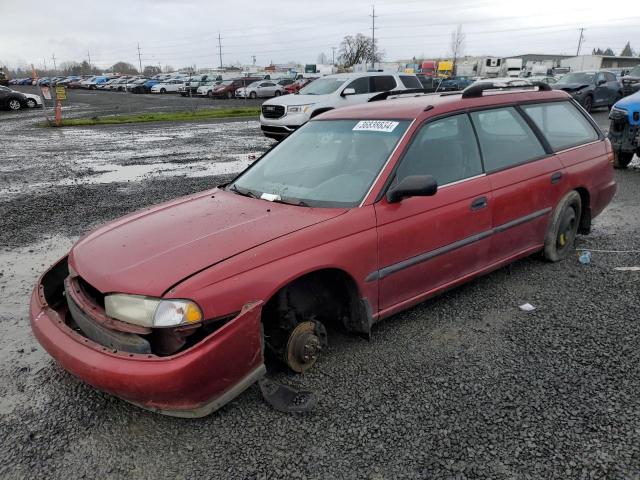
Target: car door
<point>361,88</point>
<point>524,176</point>
<point>601,91</point>
<point>428,243</point>
<point>267,89</point>
<point>614,86</point>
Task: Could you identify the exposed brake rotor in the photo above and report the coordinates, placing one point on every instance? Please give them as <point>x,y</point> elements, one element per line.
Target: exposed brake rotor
<point>303,346</point>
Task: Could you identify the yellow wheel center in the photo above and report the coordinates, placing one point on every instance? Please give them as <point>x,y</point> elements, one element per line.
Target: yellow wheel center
<point>563,240</point>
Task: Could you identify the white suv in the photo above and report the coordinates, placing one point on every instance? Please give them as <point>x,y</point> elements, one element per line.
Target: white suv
<point>282,115</point>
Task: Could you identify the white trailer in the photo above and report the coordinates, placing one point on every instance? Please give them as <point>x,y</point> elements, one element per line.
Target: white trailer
<point>512,67</point>
<point>490,67</point>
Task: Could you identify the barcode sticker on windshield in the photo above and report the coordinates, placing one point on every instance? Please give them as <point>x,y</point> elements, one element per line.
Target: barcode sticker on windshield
<point>375,126</point>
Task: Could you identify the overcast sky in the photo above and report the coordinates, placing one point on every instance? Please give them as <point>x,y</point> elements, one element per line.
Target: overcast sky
<point>183,33</point>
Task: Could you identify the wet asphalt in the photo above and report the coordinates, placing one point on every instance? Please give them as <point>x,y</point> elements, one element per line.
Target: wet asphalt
<point>463,386</point>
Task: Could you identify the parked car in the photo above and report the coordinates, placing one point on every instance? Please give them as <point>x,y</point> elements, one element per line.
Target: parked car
<point>591,88</point>
<point>228,87</point>
<point>12,100</point>
<point>178,317</point>
<point>631,81</point>
<point>33,101</point>
<point>191,84</point>
<point>93,82</point>
<point>135,83</point>
<point>263,88</point>
<point>298,84</point>
<point>109,84</point>
<point>624,131</point>
<point>548,79</point>
<point>281,116</point>
<point>168,86</point>
<point>455,84</point>
<point>68,80</point>
<point>428,83</point>
<point>206,88</point>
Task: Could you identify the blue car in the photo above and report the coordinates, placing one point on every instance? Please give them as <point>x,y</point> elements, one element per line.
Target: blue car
<point>624,131</point>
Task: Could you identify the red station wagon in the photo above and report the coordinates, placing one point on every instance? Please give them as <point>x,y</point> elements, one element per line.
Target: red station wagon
<point>363,212</point>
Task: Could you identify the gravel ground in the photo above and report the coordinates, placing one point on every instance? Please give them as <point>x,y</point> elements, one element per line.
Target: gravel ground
<point>463,386</point>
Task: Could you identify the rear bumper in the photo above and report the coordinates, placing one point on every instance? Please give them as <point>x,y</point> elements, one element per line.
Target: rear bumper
<point>604,195</point>
<point>192,383</point>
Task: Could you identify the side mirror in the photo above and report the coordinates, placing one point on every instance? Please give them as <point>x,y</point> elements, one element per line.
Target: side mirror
<point>413,186</point>
<point>348,91</point>
<point>601,82</point>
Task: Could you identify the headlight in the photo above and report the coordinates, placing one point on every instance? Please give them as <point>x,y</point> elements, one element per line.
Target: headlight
<point>151,312</point>
<point>298,108</point>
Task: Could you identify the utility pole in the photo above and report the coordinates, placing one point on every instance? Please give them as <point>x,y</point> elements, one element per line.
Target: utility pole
<point>333,59</point>
<point>44,60</point>
<point>580,41</point>
<point>253,57</point>
<point>220,48</point>
<point>55,68</point>
<point>89,57</point>
<point>373,37</point>
<point>139,58</point>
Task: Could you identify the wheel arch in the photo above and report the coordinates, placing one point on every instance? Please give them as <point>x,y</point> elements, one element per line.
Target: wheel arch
<point>334,287</point>
<point>585,215</point>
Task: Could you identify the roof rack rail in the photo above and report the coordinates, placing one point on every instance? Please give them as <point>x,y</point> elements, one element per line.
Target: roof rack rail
<point>390,93</point>
<point>476,90</point>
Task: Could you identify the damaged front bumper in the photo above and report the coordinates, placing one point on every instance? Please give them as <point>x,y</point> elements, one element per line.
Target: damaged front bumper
<point>191,383</point>
<point>624,131</point>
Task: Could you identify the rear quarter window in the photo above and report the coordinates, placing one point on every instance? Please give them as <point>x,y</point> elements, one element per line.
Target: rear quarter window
<point>382,83</point>
<point>505,138</point>
<point>562,124</point>
<point>409,81</point>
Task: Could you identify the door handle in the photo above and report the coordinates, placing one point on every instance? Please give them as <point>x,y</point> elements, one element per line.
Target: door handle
<point>556,177</point>
<point>478,203</point>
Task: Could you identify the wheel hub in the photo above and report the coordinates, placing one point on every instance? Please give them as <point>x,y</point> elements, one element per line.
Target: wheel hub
<point>303,347</point>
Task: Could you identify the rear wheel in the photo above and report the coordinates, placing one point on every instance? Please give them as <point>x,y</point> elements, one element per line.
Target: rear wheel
<point>31,103</point>
<point>252,95</point>
<point>14,104</point>
<point>278,93</point>
<point>587,103</point>
<point>563,228</point>
<point>622,159</point>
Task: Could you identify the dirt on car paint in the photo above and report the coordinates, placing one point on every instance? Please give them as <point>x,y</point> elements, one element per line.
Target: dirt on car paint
<point>464,385</point>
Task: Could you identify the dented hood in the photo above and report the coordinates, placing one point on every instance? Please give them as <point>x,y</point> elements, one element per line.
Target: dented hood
<point>148,252</point>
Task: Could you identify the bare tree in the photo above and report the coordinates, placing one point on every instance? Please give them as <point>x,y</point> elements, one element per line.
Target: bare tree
<point>322,59</point>
<point>358,49</point>
<point>124,67</point>
<point>457,45</point>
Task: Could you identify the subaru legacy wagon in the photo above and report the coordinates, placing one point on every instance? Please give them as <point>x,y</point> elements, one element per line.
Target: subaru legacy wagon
<point>359,214</point>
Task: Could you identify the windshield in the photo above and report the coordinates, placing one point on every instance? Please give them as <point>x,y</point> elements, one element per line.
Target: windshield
<point>577,78</point>
<point>329,163</point>
<point>323,86</point>
<point>635,72</point>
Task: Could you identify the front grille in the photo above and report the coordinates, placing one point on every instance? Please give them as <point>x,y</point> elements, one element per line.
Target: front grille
<point>273,111</point>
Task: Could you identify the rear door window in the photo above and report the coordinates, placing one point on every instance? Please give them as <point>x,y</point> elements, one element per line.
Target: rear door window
<point>562,124</point>
<point>382,83</point>
<point>409,81</point>
<point>505,138</point>
<point>445,149</point>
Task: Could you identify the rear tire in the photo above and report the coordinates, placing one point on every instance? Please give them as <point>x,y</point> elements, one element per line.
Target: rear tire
<point>31,103</point>
<point>252,95</point>
<point>622,159</point>
<point>278,93</point>
<point>587,103</point>
<point>563,228</point>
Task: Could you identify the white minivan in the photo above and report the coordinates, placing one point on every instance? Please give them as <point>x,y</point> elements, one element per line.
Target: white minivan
<point>284,114</point>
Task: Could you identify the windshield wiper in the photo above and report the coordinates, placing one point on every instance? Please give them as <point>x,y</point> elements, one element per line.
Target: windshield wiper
<point>246,193</point>
<point>296,202</point>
